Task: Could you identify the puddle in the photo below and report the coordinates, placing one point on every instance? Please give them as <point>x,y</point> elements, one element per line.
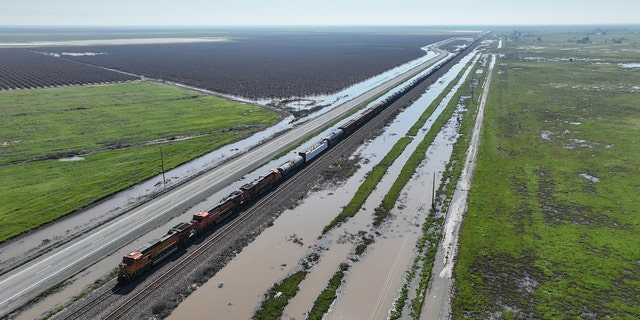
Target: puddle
<point>589,177</point>
<point>74,158</point>
<point>633,65</point>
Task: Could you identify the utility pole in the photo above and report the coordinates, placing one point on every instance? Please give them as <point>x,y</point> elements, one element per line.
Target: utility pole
<point>164,181</point>
<point>472,92</point>
<point>433,192</point>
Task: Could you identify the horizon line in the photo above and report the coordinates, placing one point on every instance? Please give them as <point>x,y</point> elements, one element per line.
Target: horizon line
<point>617,24</point>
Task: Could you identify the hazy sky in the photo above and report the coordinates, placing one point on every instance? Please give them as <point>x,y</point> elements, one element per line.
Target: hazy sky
<point>316,12</point>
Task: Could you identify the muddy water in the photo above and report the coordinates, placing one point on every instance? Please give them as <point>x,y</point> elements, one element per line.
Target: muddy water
<point>437,302</point>
<point>271,256</point>
<point>129,198</point>
<point>373,283</point>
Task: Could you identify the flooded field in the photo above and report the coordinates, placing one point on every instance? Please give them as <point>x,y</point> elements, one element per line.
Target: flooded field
<point>43,238</point>
<point>292,246</point>
<point>109,209</point>
<point>109,42</point>
<point>373,281</point>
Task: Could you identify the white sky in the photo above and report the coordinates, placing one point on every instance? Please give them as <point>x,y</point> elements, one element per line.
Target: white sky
<point>316,12</point>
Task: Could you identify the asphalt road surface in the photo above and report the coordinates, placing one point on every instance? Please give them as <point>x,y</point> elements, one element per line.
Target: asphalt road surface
<point>26,282</point>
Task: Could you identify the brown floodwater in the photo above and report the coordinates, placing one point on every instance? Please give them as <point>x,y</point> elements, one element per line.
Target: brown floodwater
<point>372,282</point>
<point>274,254</point>
<point>235,291</point>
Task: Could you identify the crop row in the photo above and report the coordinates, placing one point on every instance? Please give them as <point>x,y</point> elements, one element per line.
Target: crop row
<point>264,67</point>
<point>24,69</point>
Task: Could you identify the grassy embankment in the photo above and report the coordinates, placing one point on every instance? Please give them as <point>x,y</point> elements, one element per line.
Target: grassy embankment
<point>113,128</point>
<point>553,221</point>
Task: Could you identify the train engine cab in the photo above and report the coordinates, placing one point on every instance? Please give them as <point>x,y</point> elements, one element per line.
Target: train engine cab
<point>138,261</point>
<point>133,264</point>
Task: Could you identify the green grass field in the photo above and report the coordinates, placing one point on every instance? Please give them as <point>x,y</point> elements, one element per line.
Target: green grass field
<point>554,214</point>
<point>115,128</point>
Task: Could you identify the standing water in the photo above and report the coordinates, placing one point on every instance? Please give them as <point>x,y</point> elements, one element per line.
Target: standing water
<point>237,290</point>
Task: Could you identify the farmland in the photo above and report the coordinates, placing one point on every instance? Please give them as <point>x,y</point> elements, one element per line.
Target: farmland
<point>24,69</point>
<point>267,66</point>
<point>116,129</point>
<point>115,132</point>
<point>551,229</point>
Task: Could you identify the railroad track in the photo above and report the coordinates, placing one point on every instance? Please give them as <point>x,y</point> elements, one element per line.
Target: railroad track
<point>121,311</point>
<point>225,230</point>
<point>94,302</point>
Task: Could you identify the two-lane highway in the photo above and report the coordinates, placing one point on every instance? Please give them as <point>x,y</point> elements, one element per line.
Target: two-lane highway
<point>26,282</point>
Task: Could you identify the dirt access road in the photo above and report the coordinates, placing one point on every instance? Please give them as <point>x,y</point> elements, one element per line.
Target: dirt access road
<point>437,304</point>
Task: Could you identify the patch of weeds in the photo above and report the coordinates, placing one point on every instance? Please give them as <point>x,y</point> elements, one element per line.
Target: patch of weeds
<point>364,240</point>
<point>328,295</point>
<point>277,298</point>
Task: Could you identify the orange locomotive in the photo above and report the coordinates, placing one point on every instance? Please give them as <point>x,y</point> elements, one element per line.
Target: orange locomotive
<point>253,190</point>
<point>202,221</point>
<point>138,261</point>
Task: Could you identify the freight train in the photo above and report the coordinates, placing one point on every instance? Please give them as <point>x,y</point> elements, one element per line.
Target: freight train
<point>139,261</point>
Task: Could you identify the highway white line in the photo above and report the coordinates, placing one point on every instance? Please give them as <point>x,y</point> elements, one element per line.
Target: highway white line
<point>66,266</point>
<point>45,268</point>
